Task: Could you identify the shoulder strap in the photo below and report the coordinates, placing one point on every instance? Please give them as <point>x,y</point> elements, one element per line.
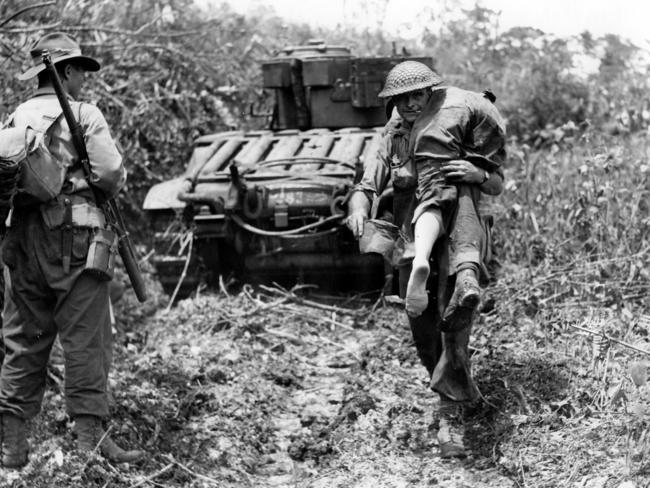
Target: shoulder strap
<point>45,126</point>
<point>47,121</point>
<point>78,105</point>
<point>9,122</point>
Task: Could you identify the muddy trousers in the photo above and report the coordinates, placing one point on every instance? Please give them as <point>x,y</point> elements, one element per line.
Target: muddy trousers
<point>445,355</point>
<point>41,301</point>
<point>468,240</point>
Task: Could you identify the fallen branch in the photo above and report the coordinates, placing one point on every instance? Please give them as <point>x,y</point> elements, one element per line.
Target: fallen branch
<point>303,301</point>
<point>193,473</point>
<point>304,313</point>
<point>246,290</point>
<point>183,274</point>
<point>259,308</point>
<point>286,335</point>
<point>222,287</point>
<point>153,476</point>
<point>343,348</point>
<point>612,339</point>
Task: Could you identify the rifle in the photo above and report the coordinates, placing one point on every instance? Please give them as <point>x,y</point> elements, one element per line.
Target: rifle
<point>108,205</point>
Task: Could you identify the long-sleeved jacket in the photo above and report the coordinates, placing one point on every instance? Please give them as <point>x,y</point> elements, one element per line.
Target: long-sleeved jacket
<point>107,171</point>
<point>49,292</point>
<point>460,124</point>
<point>456,124</point>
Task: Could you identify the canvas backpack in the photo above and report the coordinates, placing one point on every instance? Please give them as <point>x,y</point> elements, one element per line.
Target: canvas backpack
<point>25,149</point>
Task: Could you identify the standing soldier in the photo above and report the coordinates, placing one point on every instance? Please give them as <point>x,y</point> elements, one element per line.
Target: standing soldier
<point>442,149</point>
<point>47,291</point>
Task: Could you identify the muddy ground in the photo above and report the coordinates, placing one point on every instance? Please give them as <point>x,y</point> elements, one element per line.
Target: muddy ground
<point>262,388</point>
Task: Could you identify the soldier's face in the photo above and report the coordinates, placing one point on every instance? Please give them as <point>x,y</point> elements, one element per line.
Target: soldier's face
<point>409,105</point>
<point>75,79</point>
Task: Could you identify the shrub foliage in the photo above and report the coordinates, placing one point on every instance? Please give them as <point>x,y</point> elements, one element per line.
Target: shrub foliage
<point>578,175</point>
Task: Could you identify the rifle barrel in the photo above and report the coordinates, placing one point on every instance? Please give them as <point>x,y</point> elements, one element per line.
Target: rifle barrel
<point>108,205</point>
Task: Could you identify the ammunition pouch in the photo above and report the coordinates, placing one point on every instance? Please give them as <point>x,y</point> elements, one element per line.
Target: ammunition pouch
<point>67,212</point>
<point>84,213</point>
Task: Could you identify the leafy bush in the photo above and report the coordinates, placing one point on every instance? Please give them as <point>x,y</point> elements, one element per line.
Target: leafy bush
<point>172,75</point>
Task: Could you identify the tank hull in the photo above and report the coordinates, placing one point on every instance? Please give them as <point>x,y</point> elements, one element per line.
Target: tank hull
<point>268,206</point>
<point>265,207</point>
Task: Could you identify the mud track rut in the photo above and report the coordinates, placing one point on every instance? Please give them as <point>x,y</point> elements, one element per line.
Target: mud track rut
<point>304,397</point>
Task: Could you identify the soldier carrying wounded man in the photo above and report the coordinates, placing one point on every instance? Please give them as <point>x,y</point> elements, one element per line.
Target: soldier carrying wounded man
<point>441,149</point>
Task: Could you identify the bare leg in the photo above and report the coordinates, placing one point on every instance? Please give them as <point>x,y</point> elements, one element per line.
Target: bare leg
<point>427,229</point>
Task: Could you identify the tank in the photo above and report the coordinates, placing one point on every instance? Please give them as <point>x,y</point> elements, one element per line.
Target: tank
<point>268,206</point>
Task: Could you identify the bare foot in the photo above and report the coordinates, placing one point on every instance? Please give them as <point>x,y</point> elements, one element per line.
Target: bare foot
<point>416,290</point>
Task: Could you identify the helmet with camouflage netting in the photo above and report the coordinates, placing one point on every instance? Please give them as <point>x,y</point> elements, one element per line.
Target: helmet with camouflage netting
<point>408,76</point>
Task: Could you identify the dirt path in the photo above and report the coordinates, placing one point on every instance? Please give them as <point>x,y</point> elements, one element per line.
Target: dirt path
<point>336,400</point>
<point>259,390</point>
<point>362,416</point>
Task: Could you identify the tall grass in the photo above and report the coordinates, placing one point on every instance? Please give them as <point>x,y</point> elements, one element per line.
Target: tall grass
<point>574,223</point>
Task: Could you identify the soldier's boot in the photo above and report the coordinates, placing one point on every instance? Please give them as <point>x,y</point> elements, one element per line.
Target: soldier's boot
<point>463,302</point>
<point>451,430</point>
<point>14,445</point>
<point>92,437</point>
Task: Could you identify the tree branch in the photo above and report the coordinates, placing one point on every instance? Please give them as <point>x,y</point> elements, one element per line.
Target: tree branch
<point>108,30</point>
<point>26,30</point>
<point>22,11</point>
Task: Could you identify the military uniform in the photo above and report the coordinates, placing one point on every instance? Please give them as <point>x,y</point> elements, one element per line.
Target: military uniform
<point>47,289</point>
<point>408,159</point>
<point>41,298</point>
